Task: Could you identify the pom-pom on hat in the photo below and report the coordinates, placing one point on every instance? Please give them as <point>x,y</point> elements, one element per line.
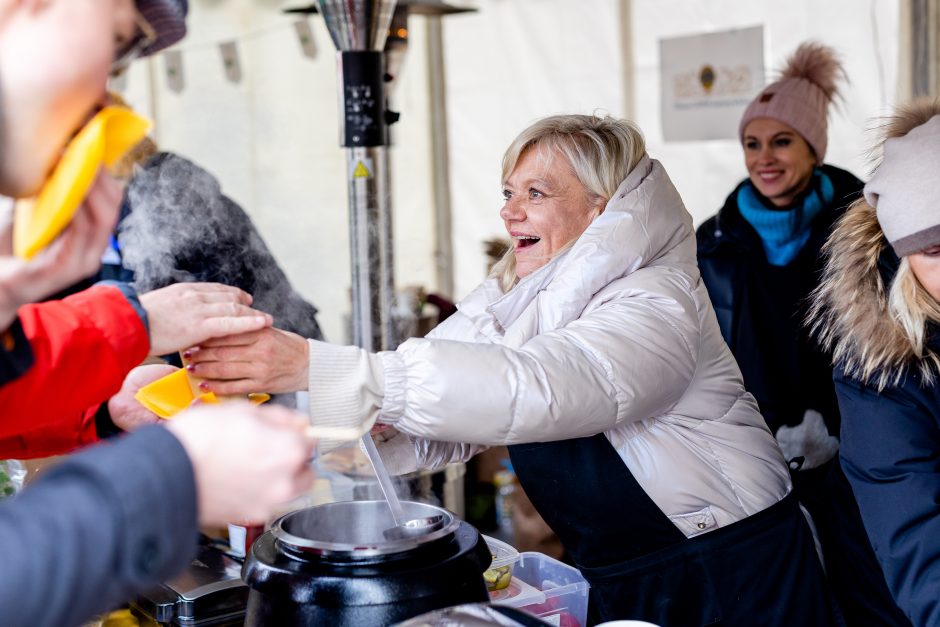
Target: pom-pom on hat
<point>168,19</point>
<point>801,97</point>
<point>905,187</point>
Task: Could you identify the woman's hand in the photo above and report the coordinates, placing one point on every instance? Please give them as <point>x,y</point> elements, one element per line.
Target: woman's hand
<point>187,314</point>
<point>269,360</point>
<point>126,412</point>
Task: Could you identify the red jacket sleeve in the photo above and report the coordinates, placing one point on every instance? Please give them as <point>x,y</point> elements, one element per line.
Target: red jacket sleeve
<point>83,346</point>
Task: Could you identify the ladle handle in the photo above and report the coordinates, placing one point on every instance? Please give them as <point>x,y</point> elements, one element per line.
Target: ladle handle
<point>385,481</point>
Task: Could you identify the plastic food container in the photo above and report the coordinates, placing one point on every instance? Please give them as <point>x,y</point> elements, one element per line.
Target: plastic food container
<point>499,574</point>
<point>548,589</point>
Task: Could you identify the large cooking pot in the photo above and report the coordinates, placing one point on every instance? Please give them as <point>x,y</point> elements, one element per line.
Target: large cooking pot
<point>339,564</point>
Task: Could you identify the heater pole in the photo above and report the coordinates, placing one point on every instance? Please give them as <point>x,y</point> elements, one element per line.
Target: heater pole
<point>370,249</point>
<point>359,29</point>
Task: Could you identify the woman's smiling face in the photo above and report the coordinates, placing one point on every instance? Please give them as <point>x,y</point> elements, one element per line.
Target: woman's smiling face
<point>779,161</point>
<point>545,208</point>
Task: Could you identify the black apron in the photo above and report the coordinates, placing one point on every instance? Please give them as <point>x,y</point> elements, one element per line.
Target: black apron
<point>762,570</point>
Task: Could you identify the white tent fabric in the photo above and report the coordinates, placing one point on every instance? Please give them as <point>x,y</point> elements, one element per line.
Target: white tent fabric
<point>272,139</point>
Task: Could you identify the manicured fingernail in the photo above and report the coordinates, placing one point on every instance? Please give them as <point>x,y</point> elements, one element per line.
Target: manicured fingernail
<point>187,354</point>
<point>204,386</point>
<point>190,367</point>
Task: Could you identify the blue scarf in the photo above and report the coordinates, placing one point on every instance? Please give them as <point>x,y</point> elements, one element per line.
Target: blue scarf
<point>783,232</point>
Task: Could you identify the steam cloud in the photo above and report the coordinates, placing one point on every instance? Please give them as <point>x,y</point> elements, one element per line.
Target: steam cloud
<point>181,228</point>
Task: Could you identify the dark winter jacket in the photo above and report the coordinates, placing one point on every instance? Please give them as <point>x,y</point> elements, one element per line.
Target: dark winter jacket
<point>761,308</point>
<point>180,227</point>
<point>177,226</point>
<point>890,403</point>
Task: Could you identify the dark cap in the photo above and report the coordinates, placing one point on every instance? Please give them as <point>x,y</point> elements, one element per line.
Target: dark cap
<point>168,19</point>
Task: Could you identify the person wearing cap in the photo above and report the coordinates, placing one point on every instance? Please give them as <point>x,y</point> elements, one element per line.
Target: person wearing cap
<point>45,347</point>
<point>116,519</point>
<point>878,311</point>
<point>760,260</point>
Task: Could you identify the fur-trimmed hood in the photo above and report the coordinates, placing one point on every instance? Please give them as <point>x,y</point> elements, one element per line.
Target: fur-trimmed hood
<point>850,312</point>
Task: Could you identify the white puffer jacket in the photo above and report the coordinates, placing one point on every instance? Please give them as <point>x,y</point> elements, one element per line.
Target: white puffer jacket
<point>615,336</point>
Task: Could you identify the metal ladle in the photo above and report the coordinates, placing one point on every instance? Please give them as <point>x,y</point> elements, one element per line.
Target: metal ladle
<point>404,528</point>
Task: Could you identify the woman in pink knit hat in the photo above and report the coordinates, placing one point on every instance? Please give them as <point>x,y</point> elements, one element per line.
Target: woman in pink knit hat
<point>760,260</point>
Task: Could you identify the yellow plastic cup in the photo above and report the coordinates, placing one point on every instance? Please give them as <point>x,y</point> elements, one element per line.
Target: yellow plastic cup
<point>171,394</point>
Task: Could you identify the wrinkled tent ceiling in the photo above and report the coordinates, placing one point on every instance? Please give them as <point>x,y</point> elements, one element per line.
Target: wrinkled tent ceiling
<point>271,138</point>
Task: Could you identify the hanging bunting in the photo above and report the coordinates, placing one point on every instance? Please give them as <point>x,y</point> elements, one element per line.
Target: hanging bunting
<point>231,62</point>
<point>305,37</point>
<point>231,59</point>
<point>173,61</point>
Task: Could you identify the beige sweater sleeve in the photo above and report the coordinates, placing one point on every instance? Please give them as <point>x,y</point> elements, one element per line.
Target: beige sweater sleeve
<point>346,388</point>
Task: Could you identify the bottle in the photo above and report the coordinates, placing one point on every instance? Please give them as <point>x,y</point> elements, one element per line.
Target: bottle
<point>241,536</point>
<point>505,482</point>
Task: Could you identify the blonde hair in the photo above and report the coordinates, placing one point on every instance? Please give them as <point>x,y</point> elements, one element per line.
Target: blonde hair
<point>876,331</point>
<point>601,151</point>
<point>911,308</point>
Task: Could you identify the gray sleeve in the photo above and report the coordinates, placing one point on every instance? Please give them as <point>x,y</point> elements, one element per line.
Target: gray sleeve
<point>98,528</point>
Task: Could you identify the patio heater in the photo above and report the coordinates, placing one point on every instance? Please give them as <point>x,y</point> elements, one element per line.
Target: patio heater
<point>359,29</point>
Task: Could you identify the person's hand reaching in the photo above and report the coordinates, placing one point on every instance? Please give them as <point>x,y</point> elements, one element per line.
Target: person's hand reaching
<point>128,414</point>
<point>186,314</point>
<point>247,460</point>
<point>269,360</point>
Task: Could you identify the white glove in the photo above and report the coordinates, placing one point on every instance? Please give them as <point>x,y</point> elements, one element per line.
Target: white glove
<point>810,440</point>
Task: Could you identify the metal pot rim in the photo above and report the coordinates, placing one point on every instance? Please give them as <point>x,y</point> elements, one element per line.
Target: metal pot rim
<point>362,550</point>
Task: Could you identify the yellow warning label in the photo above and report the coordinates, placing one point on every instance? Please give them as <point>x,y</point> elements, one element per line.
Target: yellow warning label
<point>361,171</point>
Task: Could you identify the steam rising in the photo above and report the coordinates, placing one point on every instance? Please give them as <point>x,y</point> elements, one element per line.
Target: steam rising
<point>181,228</point>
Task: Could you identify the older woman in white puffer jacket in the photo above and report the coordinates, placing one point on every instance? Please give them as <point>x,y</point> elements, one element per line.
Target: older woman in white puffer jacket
<point>594,353</point>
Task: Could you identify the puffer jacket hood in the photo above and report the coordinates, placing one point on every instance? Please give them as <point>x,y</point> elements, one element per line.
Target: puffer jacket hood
<point>850,310</point>
<point>645,224</point>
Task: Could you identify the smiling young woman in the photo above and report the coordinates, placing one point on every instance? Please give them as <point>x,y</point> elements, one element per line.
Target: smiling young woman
<point>760,260</point>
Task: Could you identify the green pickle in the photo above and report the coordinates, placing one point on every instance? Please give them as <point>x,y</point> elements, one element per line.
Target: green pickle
<point>498,578</point>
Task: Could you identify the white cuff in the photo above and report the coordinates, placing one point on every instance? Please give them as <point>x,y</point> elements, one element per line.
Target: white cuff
<point>346,388</point>
<point>395,382</point>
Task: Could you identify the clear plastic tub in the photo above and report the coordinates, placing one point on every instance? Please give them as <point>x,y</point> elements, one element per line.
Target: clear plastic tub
<point>548,589</point>
<point>499,574</point>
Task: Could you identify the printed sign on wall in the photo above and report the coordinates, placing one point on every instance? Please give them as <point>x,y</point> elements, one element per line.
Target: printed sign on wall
<point>707,81</point>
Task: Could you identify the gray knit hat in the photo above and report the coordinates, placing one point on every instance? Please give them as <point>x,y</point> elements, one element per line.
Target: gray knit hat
<point>905,189</point>
<point>168,19</point>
